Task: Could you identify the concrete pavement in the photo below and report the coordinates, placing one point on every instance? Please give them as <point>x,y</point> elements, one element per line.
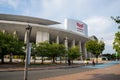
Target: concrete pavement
<point>108,73</point>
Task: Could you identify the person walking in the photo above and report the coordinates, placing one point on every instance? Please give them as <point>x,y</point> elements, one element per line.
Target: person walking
<point>93,62</point>
<point>69,62</point>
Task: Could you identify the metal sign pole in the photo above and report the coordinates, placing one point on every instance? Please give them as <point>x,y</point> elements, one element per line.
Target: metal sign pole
<point>29,28</point>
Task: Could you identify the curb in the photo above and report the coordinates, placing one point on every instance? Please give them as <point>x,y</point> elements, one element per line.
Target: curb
<point>31,69</point>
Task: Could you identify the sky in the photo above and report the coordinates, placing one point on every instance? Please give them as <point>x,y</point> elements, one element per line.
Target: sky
<point>95,13</point>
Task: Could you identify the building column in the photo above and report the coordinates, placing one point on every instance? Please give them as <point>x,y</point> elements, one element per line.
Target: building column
<point>3,31</point>
<point>73,43</point>
<point>66,48</point>
<point>46,36</point>
<point>66,43</point>
<point>85,51</point>
<point>25,37</point>
<point>57,39</point>
<point>80,49</point>
<point>42,36</point>
<point>14,33</point>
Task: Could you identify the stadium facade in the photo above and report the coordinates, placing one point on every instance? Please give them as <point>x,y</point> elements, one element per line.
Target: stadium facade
<point>74,33</point>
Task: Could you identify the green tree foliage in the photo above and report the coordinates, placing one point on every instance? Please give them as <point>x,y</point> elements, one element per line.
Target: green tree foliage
<point>117,20</point>
<point>42,49</point>
<point>15,47</point>
<point>116,43</point>
<point>110,56</point>
<point>34,51</point>
<point>95,47</point>
<point>74,52</point>
<point>9,44</point>
<point>2,46</point>
<point>45,49</point>
<point>56,50</point>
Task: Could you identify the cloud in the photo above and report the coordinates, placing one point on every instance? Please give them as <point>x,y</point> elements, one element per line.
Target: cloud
<point>99,25</point>
<point>58,9</point>
<point>102,27</point>
<point>109,46</point>
<point>10,3</point>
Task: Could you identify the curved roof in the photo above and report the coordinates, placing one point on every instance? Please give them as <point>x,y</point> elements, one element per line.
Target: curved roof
<point>27,19</point>
<point>10,24</point>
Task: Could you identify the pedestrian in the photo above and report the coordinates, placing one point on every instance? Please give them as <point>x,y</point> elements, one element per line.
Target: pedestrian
<point>69,62</point>
<point>93,62</point>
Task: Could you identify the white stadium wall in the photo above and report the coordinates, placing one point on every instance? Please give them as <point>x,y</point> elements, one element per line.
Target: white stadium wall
<point>42,36</point>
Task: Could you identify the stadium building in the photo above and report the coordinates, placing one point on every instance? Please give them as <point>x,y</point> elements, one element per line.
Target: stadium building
<point>74,33</point>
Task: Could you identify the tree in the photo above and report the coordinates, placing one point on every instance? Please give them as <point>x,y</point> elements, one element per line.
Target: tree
<point>62,51</point>
<point>42,49</point>
<point>73,52</point>
<point>15,47</point>
<point>117,20</point>
<point>2,46</point>
<point>116,43</point>
<point>34,51</point>
<point>95,47</point>
<point>10,44</point>
<point>56,50</point>
<point>5,40</point>
<point>45,49</point>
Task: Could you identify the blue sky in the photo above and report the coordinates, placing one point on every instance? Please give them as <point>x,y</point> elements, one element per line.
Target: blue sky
<point>95,13</point>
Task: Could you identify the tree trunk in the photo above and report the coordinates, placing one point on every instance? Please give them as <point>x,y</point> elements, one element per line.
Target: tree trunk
<point>60,60</point>
<point>66,59</point>
<point>2,58</point>
<point>42,60</point>
<point>96,59</point>
<point>53,59</point>
<point>34,60</point>
<point>72,61</point>
<point>34,57</point>
<point>10,57</point>
<point>23,58</point>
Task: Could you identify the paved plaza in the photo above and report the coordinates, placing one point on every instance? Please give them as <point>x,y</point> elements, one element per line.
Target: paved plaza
<point>108,73</point>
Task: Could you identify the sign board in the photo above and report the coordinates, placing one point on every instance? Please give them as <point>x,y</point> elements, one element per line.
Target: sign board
<point>29,55</point>
<point>76,26</point>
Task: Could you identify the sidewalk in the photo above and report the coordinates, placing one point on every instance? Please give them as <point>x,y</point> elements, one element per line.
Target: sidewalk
<point>19,67</point>
<point>109,73</point>
<point>5,68</point>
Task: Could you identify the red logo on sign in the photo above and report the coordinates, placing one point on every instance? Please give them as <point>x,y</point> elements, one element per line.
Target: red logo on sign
<point>79,26</point>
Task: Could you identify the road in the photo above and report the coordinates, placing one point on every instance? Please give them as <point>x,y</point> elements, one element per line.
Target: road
<point>40,74</point>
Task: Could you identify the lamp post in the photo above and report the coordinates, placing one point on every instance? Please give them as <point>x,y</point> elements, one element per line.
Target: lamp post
<point>28,29</point>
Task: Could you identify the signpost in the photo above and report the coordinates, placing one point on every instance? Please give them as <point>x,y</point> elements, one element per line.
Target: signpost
<point>28,29</point>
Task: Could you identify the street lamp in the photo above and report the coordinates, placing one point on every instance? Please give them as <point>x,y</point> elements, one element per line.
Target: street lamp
<point>28,29</point>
